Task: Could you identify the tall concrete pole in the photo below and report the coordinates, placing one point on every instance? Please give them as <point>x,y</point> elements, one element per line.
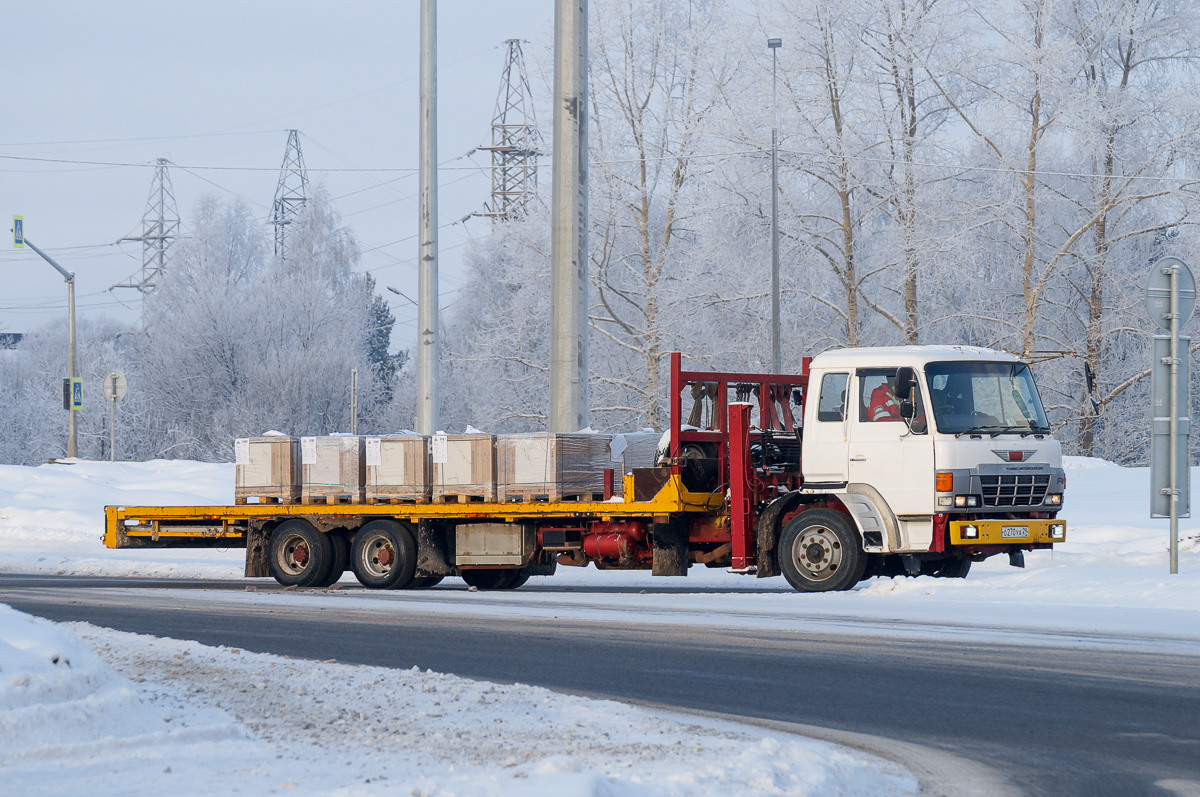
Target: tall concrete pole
<point>569,228</point>
<point>427,307</point>
<point>776,343</point>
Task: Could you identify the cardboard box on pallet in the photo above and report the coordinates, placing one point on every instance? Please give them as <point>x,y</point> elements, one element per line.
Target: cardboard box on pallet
<point>332,469</point>
<point>398,468</point>
<point>552,467</point>
<point>464,465</point>
<point>640,452</point>
<point>267,469</point>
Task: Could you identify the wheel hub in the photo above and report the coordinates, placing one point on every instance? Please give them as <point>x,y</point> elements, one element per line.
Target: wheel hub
<point>384,556</point>
<point>300,555</point>
<point>818,551</point>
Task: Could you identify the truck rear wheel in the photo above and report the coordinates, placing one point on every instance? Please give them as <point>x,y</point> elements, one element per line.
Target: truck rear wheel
<point>299,555</point>
<point>384,555</point>
<point>819,552</point>
<point>339,560</point>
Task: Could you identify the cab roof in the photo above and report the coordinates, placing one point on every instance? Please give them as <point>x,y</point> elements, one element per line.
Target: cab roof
<point>914,356</point>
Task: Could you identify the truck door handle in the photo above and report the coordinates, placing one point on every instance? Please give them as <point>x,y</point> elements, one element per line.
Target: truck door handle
<point>859,458</point>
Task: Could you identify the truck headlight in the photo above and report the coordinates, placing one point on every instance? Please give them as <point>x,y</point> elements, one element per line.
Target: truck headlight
<point>970,532</point>
<point>1058,531</point>
<point>961,501</point>
<point>1054,498</point>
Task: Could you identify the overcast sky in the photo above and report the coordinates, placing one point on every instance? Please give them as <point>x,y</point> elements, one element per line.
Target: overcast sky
<point>218,84</point>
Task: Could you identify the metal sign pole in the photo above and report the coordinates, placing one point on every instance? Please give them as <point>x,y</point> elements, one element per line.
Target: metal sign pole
<point>1173,317</point>
<point>112,432</point>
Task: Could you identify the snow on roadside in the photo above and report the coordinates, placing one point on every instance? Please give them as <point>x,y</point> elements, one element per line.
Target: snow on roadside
<point>141,713</point>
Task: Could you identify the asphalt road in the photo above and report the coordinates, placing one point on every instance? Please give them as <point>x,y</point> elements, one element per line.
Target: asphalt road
<point>1051,720</point>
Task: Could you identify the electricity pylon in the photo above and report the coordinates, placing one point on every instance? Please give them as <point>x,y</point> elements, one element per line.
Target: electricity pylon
<point>160,228</point>
<point>515,140</point>
<point>290,194</point>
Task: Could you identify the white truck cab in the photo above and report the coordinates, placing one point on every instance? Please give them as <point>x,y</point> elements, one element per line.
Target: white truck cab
<point>941,454</point>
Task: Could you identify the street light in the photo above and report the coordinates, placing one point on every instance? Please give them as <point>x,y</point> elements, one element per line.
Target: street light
<point>18,240</point>
<point>776,358</point>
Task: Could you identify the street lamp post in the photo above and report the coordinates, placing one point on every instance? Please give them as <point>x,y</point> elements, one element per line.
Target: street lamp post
<point>776,355</point>
<point>69,276</point>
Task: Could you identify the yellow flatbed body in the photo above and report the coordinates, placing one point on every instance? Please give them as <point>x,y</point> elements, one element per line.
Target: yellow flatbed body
<point>137,526</point>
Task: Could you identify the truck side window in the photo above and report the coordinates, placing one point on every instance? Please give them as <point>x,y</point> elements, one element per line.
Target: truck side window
<point>831,406</point>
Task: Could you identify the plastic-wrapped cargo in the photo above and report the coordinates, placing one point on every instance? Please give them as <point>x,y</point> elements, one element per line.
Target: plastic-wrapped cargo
<point>398,469</point>
<point>640,451</point>
<point>332,469</point>
<point>464,467</point>
<point>552,467</point>
<point>267,470</point>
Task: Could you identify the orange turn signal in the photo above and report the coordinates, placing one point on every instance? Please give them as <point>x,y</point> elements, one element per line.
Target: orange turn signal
<point>944,482</point>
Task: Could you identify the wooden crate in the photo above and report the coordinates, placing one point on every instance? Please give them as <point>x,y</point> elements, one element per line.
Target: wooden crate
<point>469,472</point>
<point>332,469</point>
<point>267,470</point>
<point>398,469</point>
<point>551,467</point>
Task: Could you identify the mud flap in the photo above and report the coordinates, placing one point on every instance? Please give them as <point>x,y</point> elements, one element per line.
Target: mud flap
<point>670,548</point>
<point>432,557</point>
<point>545,564</point>
<point>257,540</point>
<point>767,534</point>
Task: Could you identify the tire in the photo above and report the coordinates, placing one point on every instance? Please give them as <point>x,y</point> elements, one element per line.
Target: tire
<point>819,551</point>
<point>299,555</point>
<point>340,548</point>
<point>384,555</point>
<point>489,579</point>
<point>518,580</point>
<point>424,582</point>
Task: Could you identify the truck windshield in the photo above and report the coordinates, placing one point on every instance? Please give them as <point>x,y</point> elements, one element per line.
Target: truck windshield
<point>985,398</point>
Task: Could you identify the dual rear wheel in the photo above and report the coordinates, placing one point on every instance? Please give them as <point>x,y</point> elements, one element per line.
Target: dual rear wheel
<point>383,556</point>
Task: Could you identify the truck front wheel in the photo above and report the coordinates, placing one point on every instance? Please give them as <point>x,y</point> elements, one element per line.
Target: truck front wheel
<point>299,555</point>
<point>384,555</point>
<point>819,552</point>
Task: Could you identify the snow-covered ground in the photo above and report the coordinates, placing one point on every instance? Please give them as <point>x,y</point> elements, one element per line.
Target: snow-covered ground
<point>146,712</point>
<point>85,710</point>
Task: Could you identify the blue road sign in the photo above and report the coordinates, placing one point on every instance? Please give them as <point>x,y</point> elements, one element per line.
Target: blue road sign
<point>76,394</point>
<point>18,232</point>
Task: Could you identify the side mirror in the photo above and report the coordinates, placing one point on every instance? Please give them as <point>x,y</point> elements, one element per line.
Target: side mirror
<point>905,379</point>
<point>906,409</point>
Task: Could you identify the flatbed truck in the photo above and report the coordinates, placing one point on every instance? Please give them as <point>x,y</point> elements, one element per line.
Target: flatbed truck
<point>874,461</point>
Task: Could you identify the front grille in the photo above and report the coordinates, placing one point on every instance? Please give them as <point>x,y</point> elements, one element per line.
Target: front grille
<point>1015,490</point>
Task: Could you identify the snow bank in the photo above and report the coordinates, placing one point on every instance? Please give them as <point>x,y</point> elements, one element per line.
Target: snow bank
<point>182,718</point>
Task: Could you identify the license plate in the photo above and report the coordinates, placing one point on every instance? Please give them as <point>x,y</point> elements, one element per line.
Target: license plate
<point>1014,531</point>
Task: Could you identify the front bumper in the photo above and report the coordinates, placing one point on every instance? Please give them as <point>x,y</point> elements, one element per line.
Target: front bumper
<point>1006,532</point>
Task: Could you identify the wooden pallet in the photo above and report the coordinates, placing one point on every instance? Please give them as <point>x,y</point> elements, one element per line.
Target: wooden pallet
<point>396,500</point>
<point>263,499</point>
<point>330,499</point>
<point>461,498</point>
<point>542,498</point>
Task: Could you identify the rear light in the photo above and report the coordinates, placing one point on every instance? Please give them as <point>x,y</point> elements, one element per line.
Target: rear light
<point>970,532</point>
<point>944,482</point>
